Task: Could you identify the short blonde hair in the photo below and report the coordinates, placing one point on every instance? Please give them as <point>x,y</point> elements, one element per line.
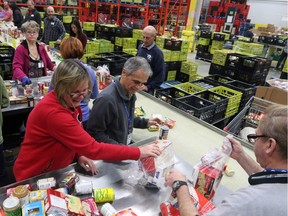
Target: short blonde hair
<point>67,77</point>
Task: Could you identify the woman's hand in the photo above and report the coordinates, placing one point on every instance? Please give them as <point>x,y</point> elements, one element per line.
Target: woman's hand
<point>87,164</point>
<point>151,150</point>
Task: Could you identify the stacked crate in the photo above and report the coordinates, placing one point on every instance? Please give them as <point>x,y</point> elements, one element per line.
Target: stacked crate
<point>121,33</point>
<point>89,29</point>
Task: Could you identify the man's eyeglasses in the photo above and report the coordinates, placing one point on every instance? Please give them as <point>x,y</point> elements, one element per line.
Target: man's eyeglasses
<point>253,137</point>
<point>77,95</point>
<point>31,33</point>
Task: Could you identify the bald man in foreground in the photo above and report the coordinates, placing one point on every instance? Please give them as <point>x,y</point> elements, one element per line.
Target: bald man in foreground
<point>154,56</point>
<point>53,28</point>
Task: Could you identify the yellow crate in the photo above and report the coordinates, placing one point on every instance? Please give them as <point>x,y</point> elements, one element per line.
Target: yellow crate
<point>67,19</point>
<point>167,55</point>
<point>195,77</point>
<point>175,55</point>
<point>119,41</point>
<point>129,43</point>
<point>89,26</point>
<point>171,75</point>
<point>190,88</point>
<point>189,68</point>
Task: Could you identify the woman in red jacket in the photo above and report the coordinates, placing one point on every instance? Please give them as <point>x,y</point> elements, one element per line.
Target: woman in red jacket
<point>30,59</point>
<point>54,135</point>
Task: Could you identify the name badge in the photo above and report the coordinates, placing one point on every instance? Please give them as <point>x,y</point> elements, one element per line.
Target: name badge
<point>32,15</point>
<point>52,23</point>
<point>129,138</point>
<point>40,64</point>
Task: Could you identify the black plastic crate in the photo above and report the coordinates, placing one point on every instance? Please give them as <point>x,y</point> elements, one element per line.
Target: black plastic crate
<point>247,90</point>
<point>122,54</point>
<point>199,107</point>
<point>218,37</point>
<point>175,65</point>
<point>6,54</point>
<point>170,94</point>
<point>203,48</point>
<point>98,61</point>
<point>254,63</point>
<point>118,48</point>
<point>205,34</point>
<point>182,77</point>
<point>124,32</point>
<point>90,34</point>
<point>233,60</point>
<point>109,30</point>
<point>220,101</point>
<point>174,45</point>
<point>116,64</point>
<point>205,83</point>
<point>216,69</point>
<point>251,77</point>
<point>217,78</point>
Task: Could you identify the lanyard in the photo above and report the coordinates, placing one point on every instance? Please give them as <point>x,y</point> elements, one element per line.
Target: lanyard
<point>129,116</point>
<point>276,170</point>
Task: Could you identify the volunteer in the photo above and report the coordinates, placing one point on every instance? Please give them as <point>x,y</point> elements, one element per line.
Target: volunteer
<point>267,193</point>
<point>54,135</point>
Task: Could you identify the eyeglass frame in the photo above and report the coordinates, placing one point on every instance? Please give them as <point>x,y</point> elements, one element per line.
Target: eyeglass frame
<point>31,33</point>
<point>254,136</point>
<point>85,93</point>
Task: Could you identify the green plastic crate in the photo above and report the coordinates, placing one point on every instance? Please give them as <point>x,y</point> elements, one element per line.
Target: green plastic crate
<point>190,88</point>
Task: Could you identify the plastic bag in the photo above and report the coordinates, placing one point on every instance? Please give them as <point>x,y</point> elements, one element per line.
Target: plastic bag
<point>155,169</point>
<point>208,173</point>
<point>103,76</point>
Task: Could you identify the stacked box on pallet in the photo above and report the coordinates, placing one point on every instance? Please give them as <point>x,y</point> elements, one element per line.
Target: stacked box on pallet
<point>199,107</point>
<point>220,101</point>
<point>190,88</point>
<point>247,90</point>
<point>234,99</point>
<point>170,94</point>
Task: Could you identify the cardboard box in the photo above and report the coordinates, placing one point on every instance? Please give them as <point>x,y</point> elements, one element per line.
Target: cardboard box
<point>273,94</point>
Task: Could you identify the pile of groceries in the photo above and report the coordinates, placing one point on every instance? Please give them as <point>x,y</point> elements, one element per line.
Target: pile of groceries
<point>60,199</point>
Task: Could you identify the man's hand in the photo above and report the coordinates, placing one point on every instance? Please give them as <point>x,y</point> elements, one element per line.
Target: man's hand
<point>154,121</point>
<point>174,176</point>
<point>87,164</point>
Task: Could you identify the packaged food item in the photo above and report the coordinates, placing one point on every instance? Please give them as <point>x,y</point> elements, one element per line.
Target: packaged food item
<point>203,205</point>
<point>84,187</point>
<point>139,111</point>
<point>11,206</point>
<point>154,128</point>
<point>102,195</point>
<point>22,193</point>
<point>44,184</point>
<point>74,205</point>
<point>90,208</point>
<point>55,202</point>
<point>33,208</point>
<point>37,195</point>
<point>163,132</point>
<point>108,210</point>
<point>208,173</point>
<point>126,212</point>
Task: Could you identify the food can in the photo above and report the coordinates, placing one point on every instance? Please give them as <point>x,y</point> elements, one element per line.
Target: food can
<point>41,87</point>
<point>22,193</point>
<point>84,187</point>
<point>163,132</point>
<point>102,195</point>
<point>108,210</point>
<point>11,206</point>
<point>30,100</point>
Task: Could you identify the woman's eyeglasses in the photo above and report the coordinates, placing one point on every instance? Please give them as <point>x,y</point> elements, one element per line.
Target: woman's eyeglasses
<point>77,95</point>
<point>253,137</point>
<point>32,32</point>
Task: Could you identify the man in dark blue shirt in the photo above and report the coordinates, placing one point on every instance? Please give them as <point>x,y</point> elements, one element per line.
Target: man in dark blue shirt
<point>249,32</point>
<point>154,56</point>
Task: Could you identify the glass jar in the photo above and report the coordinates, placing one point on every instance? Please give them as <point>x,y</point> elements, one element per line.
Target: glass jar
<point>22,193</point>
<point>11,206</point>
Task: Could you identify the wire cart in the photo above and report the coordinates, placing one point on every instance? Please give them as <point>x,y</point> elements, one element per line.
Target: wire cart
<point>249,116</point>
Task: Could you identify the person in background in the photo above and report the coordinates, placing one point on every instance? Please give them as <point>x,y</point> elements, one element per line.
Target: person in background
<point>112,116</point>
<point>249,32</point>
<point>30,58</point>
<point>154,56</point>
<point>266,176</point>
<point>4,102</point>
<point>55,136</point>
<point>17,15</point>
<point>2,12</point>
<point>32,13</point>
<point>76,31</point>
<point>282,59</point>
<point>8,16</point>
<point>71,48</point>
<point>53,28</point>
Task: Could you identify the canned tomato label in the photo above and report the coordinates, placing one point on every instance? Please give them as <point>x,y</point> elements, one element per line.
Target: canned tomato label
<point>103,195</point>
<point>163,132</point>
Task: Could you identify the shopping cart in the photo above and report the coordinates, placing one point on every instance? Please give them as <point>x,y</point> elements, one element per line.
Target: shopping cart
<point>249,116</point>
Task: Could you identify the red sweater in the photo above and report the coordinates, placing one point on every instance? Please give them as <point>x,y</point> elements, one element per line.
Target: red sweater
<point>54,136</point>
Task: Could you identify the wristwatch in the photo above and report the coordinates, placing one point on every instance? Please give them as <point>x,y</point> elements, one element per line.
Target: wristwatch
<point>177,184</point>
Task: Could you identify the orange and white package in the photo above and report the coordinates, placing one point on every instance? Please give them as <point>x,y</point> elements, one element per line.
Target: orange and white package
<point>126,212</point>
<point>169,122</point>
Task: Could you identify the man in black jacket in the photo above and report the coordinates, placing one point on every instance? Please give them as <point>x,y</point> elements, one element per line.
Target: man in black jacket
<point>17,15</point>
<point>32,13</point>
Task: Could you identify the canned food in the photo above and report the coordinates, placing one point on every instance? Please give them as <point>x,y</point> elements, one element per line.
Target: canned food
<point>102,195</point>
<point>11,206</point>
<point>22,193</point>
<point>83,187</point>
<point>108,210</point>
<point>163,132</point>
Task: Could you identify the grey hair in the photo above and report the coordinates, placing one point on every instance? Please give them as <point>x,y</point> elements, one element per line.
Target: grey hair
<point>30,25</point>
<point>274,124</point>
<point>136,63</point>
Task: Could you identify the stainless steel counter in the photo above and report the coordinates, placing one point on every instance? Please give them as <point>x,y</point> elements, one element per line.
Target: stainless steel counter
<point>143,201</point>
